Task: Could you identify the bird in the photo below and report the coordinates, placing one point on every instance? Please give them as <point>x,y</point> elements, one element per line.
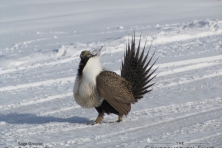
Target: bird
<point>108,92</point>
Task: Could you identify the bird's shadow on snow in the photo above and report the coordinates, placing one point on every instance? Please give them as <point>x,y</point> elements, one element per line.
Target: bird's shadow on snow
<point>17,118</point>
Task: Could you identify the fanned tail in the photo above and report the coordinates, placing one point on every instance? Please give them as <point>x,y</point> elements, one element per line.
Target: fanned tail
<point>137,69</point>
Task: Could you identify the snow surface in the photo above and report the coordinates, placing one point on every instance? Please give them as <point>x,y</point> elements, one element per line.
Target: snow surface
<point>40,43</point>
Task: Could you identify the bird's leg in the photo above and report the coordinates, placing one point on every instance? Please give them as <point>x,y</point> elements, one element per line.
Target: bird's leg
<point>120,118</point>
<point>99,119</point>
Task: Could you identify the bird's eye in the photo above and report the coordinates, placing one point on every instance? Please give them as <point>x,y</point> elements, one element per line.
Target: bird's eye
<point>88,55</point>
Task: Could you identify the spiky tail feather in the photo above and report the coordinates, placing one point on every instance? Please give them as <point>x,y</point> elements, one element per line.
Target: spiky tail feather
<point>137,70</point>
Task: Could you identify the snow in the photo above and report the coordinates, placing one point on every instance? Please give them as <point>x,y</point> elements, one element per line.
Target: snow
<point>40,44</point>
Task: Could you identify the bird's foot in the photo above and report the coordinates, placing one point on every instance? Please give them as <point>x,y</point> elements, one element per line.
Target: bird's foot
<point>120,119</point>
<point>93,123</point>
<point>117,121</point>
<point>99,119</point>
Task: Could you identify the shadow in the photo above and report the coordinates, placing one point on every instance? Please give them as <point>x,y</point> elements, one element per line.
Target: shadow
<point>16,118</point>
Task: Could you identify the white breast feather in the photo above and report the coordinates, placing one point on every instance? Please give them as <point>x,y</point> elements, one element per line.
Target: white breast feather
<point>85,92</point>
<point>92,69</point>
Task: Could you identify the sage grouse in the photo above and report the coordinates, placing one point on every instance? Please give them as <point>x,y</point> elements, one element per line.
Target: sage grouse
<point>108,92</point>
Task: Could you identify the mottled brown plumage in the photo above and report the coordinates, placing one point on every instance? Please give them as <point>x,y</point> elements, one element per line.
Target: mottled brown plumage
<point>115,90</point>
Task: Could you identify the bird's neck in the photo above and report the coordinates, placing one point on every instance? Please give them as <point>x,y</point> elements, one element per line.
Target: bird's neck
<point>90,68</point>
<point>81,66</point>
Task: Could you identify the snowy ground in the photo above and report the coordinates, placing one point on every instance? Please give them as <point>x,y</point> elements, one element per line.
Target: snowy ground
<point>40,42</point>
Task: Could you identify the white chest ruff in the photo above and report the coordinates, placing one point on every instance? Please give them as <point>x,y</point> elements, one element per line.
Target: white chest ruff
<point>86,94</point>
<point>85,91</point>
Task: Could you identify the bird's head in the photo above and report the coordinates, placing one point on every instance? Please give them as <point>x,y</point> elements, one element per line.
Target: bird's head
<point>85,55</point>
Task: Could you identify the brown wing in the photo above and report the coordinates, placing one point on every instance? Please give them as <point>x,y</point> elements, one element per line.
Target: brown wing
<point>115,90</point>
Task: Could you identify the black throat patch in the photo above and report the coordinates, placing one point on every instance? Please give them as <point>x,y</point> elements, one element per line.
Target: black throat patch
<point>82,64</point>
